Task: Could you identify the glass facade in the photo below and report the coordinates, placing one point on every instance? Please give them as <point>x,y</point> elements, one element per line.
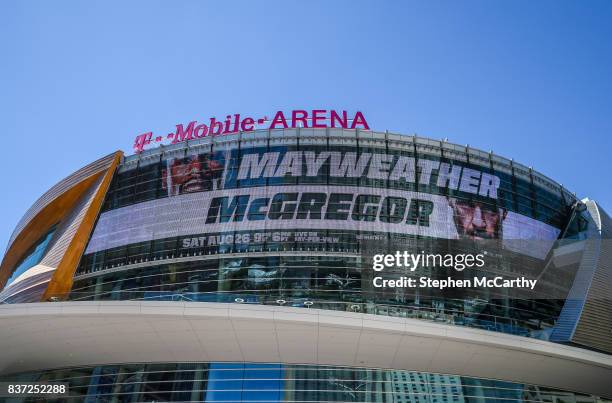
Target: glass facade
<point>240,382</point>
<point>286,221</point>
<point>324,282</point>
<point>32,257</point>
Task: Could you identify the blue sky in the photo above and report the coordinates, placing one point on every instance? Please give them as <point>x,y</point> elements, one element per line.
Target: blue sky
<point>528,80</point>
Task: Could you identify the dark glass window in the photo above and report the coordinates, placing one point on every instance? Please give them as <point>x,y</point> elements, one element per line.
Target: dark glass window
<point>33,256</point>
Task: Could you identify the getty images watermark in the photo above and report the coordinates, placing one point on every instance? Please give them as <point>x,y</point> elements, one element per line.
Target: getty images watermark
<point>412,261</point>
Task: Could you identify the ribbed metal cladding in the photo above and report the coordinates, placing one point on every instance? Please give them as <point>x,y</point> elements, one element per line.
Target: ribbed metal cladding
<point>23,287</point>
<point>68,227</point>
<point>594,328</point>
<point>57,190</point>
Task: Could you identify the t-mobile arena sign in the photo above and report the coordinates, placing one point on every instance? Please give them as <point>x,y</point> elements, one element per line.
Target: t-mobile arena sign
<point>316,118</point>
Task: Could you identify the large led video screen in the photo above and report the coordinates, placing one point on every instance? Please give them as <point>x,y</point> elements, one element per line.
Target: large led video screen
<point>263,191</point>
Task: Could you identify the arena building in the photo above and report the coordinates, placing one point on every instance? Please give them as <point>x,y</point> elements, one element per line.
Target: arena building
<point>239,268</point>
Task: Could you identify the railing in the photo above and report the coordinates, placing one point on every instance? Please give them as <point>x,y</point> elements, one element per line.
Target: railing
<point>434,312</point>
<point>528,328</point>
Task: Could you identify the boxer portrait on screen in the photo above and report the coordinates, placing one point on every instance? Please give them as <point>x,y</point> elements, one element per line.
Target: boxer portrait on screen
<point>195,173</point>
<point>477,220</point>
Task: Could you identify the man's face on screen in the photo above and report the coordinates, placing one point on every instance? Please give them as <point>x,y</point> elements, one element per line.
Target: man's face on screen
<point>475,220</point>
<point>187,175</point>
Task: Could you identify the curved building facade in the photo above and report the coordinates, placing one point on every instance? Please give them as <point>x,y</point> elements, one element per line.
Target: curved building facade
<point>240,268</point>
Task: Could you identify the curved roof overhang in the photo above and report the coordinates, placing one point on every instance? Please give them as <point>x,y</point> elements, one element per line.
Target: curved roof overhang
<point>53,335</point>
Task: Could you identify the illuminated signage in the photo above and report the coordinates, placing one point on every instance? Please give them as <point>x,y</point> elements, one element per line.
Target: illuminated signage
<point>314,193</point>
<point>256,213</point>
<point>316,118</point>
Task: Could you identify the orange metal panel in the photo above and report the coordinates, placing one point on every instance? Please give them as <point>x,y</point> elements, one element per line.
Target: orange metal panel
<point>37,227</point>
<point>62,279</point>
